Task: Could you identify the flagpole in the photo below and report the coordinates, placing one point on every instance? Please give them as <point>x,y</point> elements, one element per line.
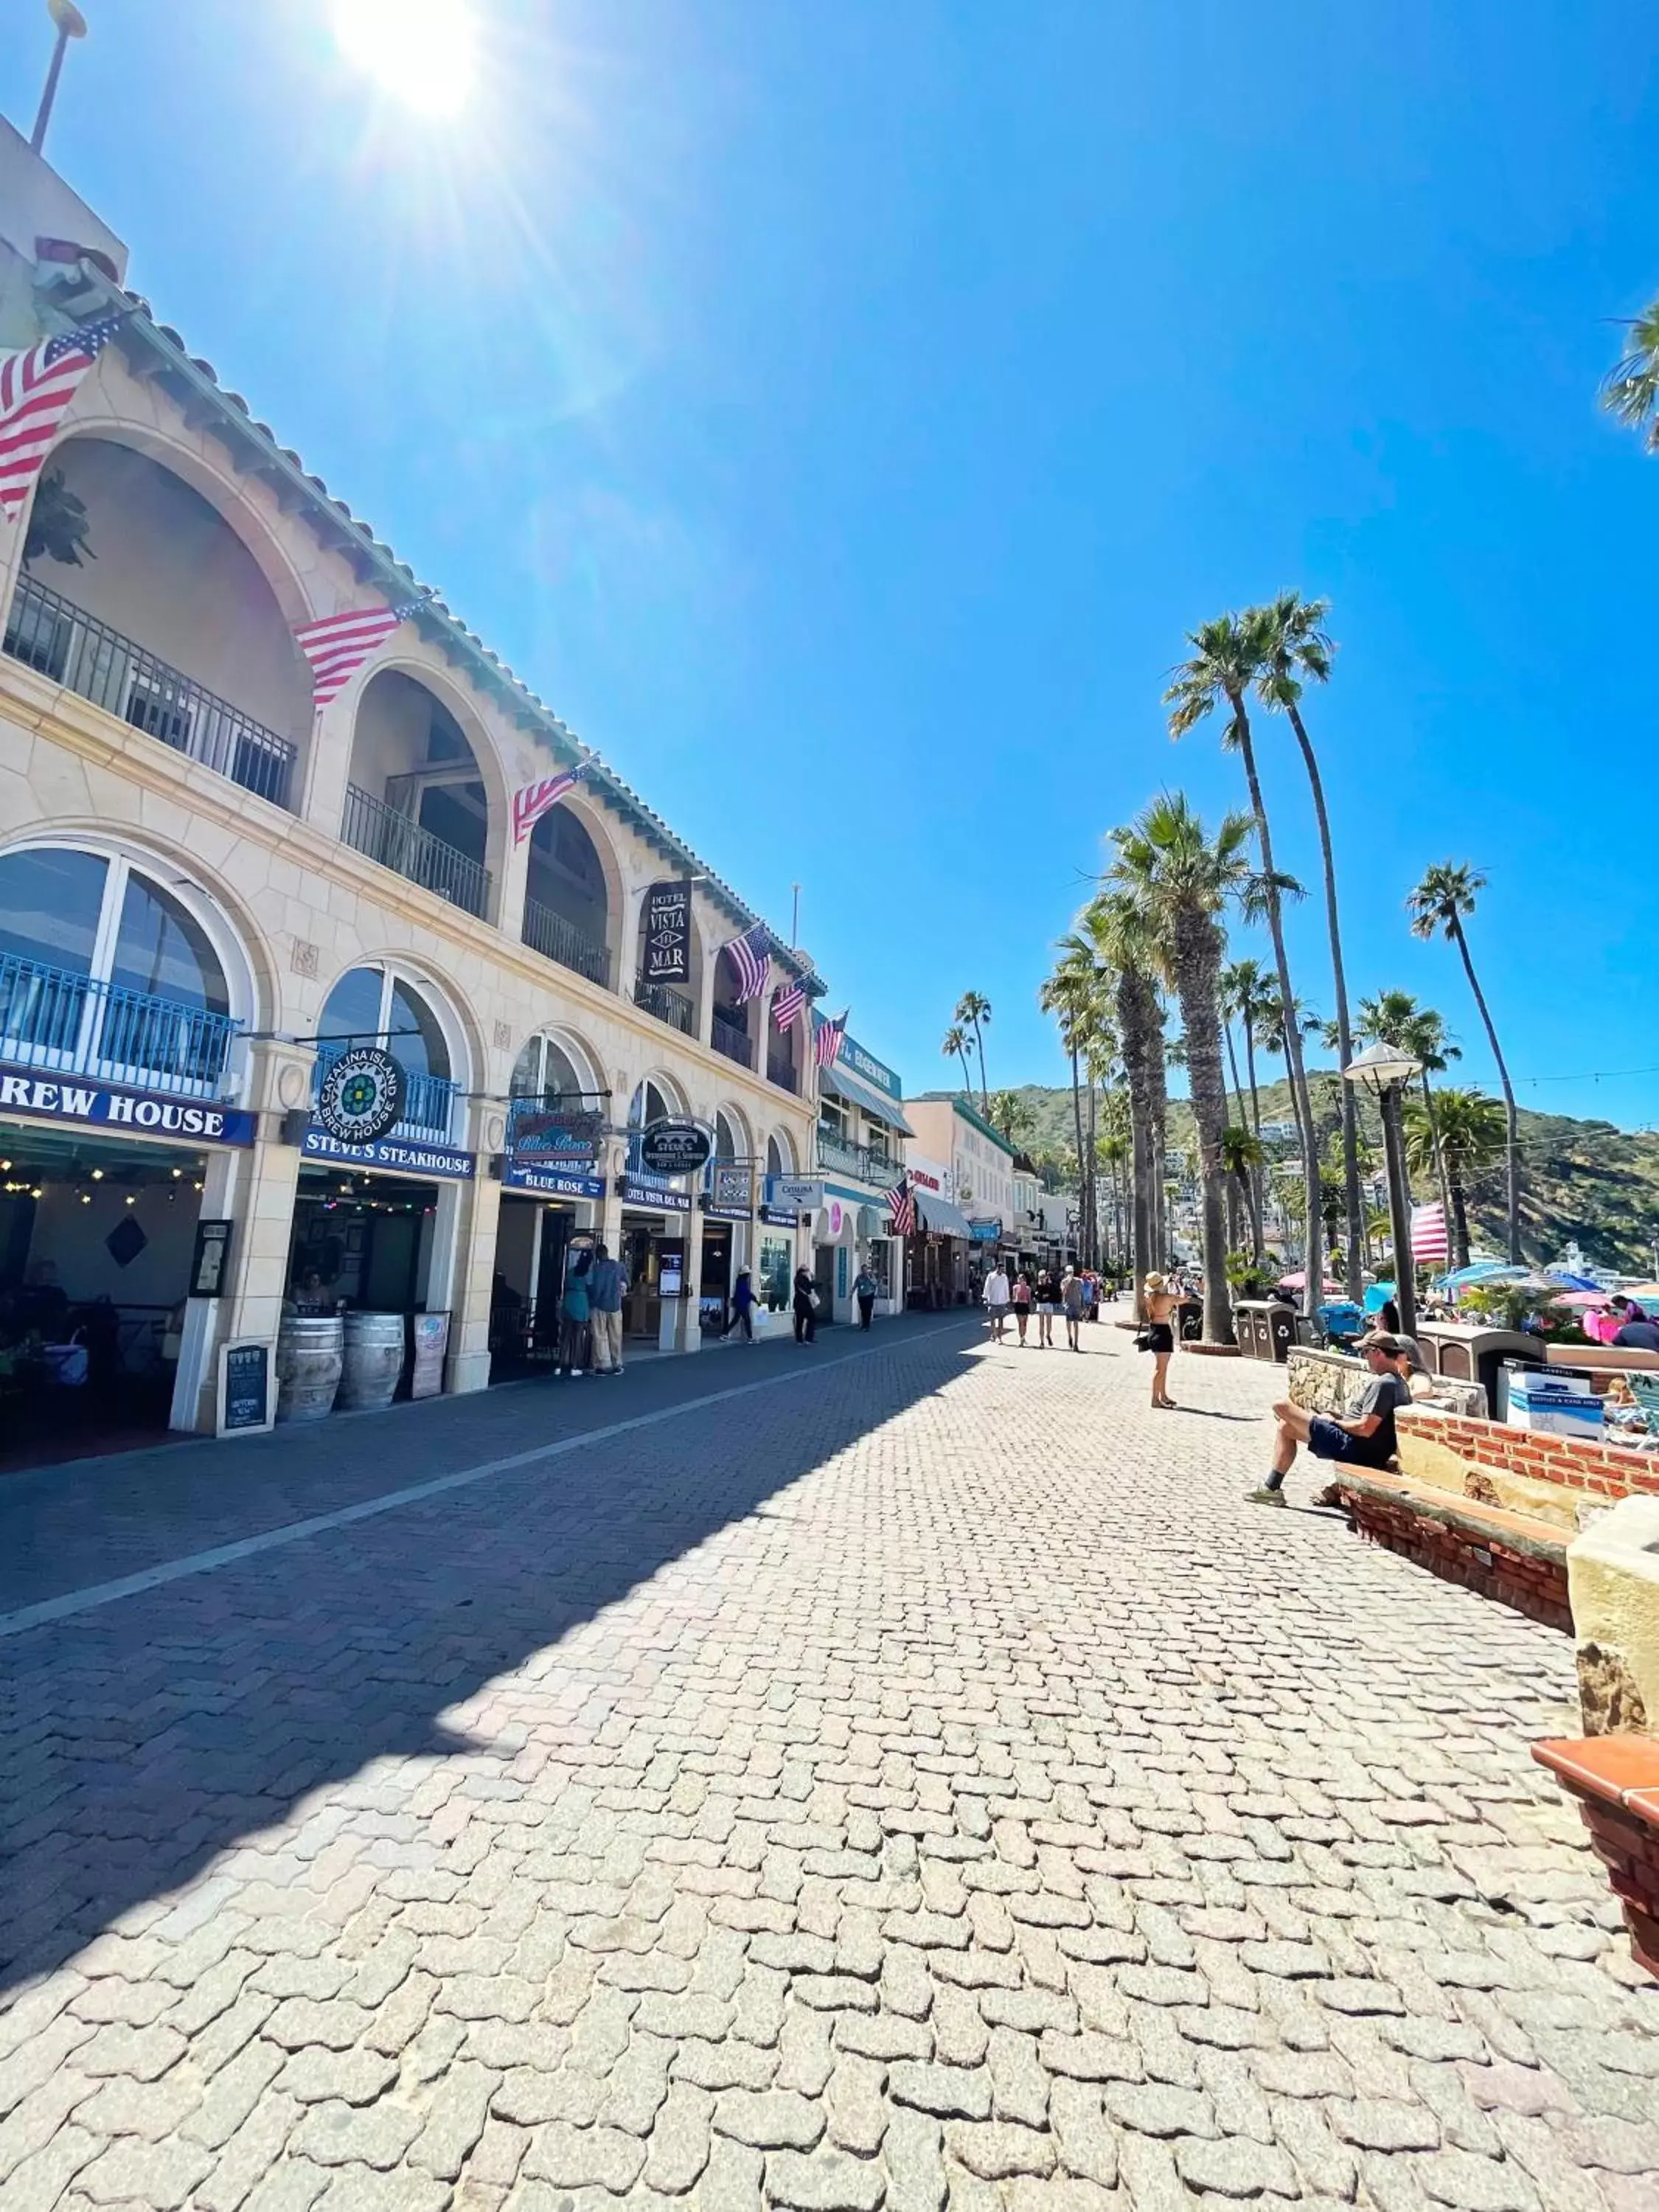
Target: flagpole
<point>71,24</point>
<point>794,919</point>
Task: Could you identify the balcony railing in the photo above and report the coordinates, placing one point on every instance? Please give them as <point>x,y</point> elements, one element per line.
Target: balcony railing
<point>371,826</point>
<point>429,1115</point>
<point>55,638</point>
<point>780,1070</point>
<point>52,1018</point>
<point>667,1004</point>
<point>733,1040</point>
<point>858,1160</point>
<point>556,938</point>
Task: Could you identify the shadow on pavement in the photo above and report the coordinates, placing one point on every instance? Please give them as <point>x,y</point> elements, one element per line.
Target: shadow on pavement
<point>140,1740</point>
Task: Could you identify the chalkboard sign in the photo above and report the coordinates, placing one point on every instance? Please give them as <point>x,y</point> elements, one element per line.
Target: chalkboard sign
<point>243,1388</point>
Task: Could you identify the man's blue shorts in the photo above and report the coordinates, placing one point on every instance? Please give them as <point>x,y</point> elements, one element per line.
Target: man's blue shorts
<point>1327,1441</point>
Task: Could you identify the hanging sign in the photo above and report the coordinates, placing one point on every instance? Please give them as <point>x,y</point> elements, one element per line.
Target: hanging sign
<point>731,1188</point>
<point>799,1193</point>
<point>360,1096</point>
<point>665,952</point>
<point>207,1266</point>
<point>673,1146</point>
<point>553,1136</point>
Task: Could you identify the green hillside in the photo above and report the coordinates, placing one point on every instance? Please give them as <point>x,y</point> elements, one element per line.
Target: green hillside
<point>1583,1181</point>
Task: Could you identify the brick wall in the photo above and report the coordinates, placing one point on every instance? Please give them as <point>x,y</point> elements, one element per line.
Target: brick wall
<point>1610,1471</point>
<point>1528,1580</point>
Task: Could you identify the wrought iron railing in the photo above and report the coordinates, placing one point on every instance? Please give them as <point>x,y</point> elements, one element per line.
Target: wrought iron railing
<point>667,1004</point>
<point>50,1017</point>
<point>399,843</point>
<point>869,1166</point>
<point>780,1070</point>
<point>428,1115</point>
<point>556,938</point>
<point>53,636</point>
<point>732,1040</point>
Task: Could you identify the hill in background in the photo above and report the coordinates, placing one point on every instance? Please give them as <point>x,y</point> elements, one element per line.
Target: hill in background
<point>1583,1181</point>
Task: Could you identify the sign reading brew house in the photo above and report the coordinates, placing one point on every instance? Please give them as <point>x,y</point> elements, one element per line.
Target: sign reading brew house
<point>665,955</point>
<point>672,1147</point>
<point>361,1097</point>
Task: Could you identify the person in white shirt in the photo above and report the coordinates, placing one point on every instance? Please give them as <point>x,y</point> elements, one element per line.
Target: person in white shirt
<point>997,1296</point>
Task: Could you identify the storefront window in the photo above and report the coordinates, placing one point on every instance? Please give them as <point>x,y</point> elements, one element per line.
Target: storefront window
<point>544,1071</point>
<point>163,951</point>
<point>881,1254</point>
<point>772,1286</point>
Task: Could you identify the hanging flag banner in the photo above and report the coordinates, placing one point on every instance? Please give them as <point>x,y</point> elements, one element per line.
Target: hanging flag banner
<point>337,646</point>
<point>827,1049</point>
<point>36,387</point>
<point>531,800</point>
<point>750,955</point>
<point>665,953</point>
<point>789,1005</point>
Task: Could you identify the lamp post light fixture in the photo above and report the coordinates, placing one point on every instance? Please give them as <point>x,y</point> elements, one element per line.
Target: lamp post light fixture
<point>1385,1071</point>
<point>71,24</point>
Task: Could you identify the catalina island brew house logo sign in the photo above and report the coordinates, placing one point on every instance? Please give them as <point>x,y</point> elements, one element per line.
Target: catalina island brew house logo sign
<point>361,1097</point>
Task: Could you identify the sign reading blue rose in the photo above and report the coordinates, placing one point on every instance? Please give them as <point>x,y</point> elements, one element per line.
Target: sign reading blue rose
<point>361,1096</point>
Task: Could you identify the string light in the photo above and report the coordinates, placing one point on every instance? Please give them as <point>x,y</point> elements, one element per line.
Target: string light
<point>97,1175</point>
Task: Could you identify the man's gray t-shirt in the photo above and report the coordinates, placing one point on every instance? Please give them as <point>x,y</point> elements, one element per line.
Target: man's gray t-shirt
<point>1384,1395</point>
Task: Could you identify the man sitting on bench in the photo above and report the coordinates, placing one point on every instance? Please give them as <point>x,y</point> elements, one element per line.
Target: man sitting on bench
<point>1365,1439</point>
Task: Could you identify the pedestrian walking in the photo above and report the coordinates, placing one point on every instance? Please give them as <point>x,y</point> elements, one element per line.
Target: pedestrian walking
<point>1072,1292</point>
<point>575,1314</point>
<point>864,1290</point>
<point>1157,1335</point>
<point>806,1308</point>
<point>1022,1294</point>
<point>1048,1305</point>
<point>1092,1297</point>
<point>607,1286</point>
<point>743,1307</point>
<point>996,1295</point>
<point>1365,1438</point>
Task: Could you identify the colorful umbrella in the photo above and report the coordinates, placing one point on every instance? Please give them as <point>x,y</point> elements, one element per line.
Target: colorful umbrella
<point>1299,1281</point>
<point>1582,1299</point>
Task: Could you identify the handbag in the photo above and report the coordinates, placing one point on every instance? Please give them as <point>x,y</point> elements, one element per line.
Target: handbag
<point>1144,1337</point>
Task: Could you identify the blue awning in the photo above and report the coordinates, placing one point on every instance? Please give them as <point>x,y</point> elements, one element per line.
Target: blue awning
<point>944,1219</point>
<point>857,1093</point>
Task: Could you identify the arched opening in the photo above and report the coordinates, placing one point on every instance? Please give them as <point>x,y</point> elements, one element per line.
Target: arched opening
<point>108,972</point>
<point>729,1026</point>
<point>379,1006</point>
<point>416,799</point>
<point>567,900</point>
<point>779,1154</point>
<point>653,1100</point>
<point>136,593</point>
<point>545,1071</point>
<point>783,1051</point>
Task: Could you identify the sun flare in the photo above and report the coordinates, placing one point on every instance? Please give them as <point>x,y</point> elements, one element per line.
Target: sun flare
<point>421,52</point>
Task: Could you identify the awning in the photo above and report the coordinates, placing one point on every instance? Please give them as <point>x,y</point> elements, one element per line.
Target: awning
<point>854,1088</point>
<point>939,1215</point>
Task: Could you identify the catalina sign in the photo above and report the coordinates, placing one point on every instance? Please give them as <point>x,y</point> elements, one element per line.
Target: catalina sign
<point>115,1106</point>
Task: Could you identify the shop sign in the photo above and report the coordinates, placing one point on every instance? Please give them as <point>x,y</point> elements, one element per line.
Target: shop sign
<point>244,1402</point>
<point>207,1266</point>
<point>360,1096</point>
<point>674,1146</point>
<point>555,1136</point>
<point>552,1183</point>
<point>666,957</point>
<point>799,1193</point>
<point>386,1152</point>
<point>429,1340</point>
<point>985,1232</point>
<point>854,1055</point>
<point>655,1193</point>
<point>117,1106</point>
<point>780,1217</point>
<point>671,1266</point>
<point>732,1189</point>
<point>930,1175</point>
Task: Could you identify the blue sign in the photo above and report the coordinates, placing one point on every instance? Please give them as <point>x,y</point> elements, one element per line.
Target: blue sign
<point>656,1193</point>
<point>527,1175</point>
<point>985,1232</point>
<point>556,1136</point>
<point>852,1055</point>
<point>116,1107</point>
<point>391,1152</point>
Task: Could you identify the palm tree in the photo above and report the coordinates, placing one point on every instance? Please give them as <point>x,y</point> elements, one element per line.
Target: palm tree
<point>1075,993</point>
<point>974,1010</point>
<point>1228,657</point>
<point>1630,389</point>
<point>1012,1114</point>
<point>1182,880</point>
<point>1241,1155</point>
<point>1467,1133</point>
<point>1297,649</point>
<point>1446,895</point>
<point>1114,927</point>
<point>1394,1018</point>
<point>956,1043</point>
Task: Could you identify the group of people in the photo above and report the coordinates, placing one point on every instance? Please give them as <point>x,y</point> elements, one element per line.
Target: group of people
<point>590,1315</point>
<point>1069,1294</point>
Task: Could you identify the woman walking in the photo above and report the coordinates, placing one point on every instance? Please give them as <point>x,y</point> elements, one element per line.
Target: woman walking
<point>743,1307</point>
<point>1158,1336</point>
<point>1048,1305</point>
<point>806,1327</point>
<point>1023,1305</point>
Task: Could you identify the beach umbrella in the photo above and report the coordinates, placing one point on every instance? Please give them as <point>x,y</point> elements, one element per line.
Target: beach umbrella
<point>1299,1281</point>
<point>1582,1299</point>
<point>1570,1281</point>
<point>1645,1294</point>
<point>1481,1271</point>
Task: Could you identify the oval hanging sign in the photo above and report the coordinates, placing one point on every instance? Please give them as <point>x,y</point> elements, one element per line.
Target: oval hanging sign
<point>361,1096</point>
<point>672,1147</point>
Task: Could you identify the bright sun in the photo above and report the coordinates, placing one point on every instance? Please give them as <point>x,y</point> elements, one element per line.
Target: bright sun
<point>420,51</point>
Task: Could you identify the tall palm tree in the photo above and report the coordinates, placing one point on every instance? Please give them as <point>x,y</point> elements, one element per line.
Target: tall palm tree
<point>1394,1018</point>
<point>1467,1134</point>
<point>1228,657</point>
<point>1076,993</point>
<point>956,1044</point>
<point>1114,927</point>
<point>1182,878</point>
<point>1297,650</point>
<point>1241,1155</point>
<point>1630,389</point>
<point>974,1010</point>
<point>1440,904</point>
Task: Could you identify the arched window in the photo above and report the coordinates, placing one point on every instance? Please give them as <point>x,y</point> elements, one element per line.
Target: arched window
<point>106,972</point>
<point>375,1006</point>
<point>779,1156</point>
<point>415,799</point>
<point>566,916</point>
<point>729,1143</point>
<point>544,1070</point>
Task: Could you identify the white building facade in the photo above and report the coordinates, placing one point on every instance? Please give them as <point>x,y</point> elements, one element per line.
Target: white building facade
<point>860,1140</point>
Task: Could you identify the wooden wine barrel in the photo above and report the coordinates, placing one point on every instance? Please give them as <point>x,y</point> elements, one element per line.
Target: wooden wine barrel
<point>309,1352</point>
<point>373,1361</point>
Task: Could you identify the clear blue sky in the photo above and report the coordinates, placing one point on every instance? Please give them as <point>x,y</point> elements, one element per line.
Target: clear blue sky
<point>838,415</point>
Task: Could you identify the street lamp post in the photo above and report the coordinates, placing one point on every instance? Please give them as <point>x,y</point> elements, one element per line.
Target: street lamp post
<point>71,24</point>
<point>1384,1072</point>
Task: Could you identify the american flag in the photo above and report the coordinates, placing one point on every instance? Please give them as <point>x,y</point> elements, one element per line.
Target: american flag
<point>337,646</point>
<point>751,956</point>
<point>827,1049</point>
<point>1429,1231</point>
<point>787,1005</point>
<point>902,1211</point>
<point>36,387</point>
<point>531,800</point>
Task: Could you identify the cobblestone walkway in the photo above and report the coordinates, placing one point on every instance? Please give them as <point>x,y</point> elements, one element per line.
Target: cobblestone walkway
<point>926,1782</point>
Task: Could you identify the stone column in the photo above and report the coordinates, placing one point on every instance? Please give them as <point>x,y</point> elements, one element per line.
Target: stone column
<point>681,1330</point>
<point>462,1262</point>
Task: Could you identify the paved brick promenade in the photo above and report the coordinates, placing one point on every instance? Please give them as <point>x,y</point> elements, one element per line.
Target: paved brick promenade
<point>918,1779</point>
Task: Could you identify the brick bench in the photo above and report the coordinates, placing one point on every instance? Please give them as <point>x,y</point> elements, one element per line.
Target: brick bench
<point>1512,1557</point>
<point>1616,1779</point>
